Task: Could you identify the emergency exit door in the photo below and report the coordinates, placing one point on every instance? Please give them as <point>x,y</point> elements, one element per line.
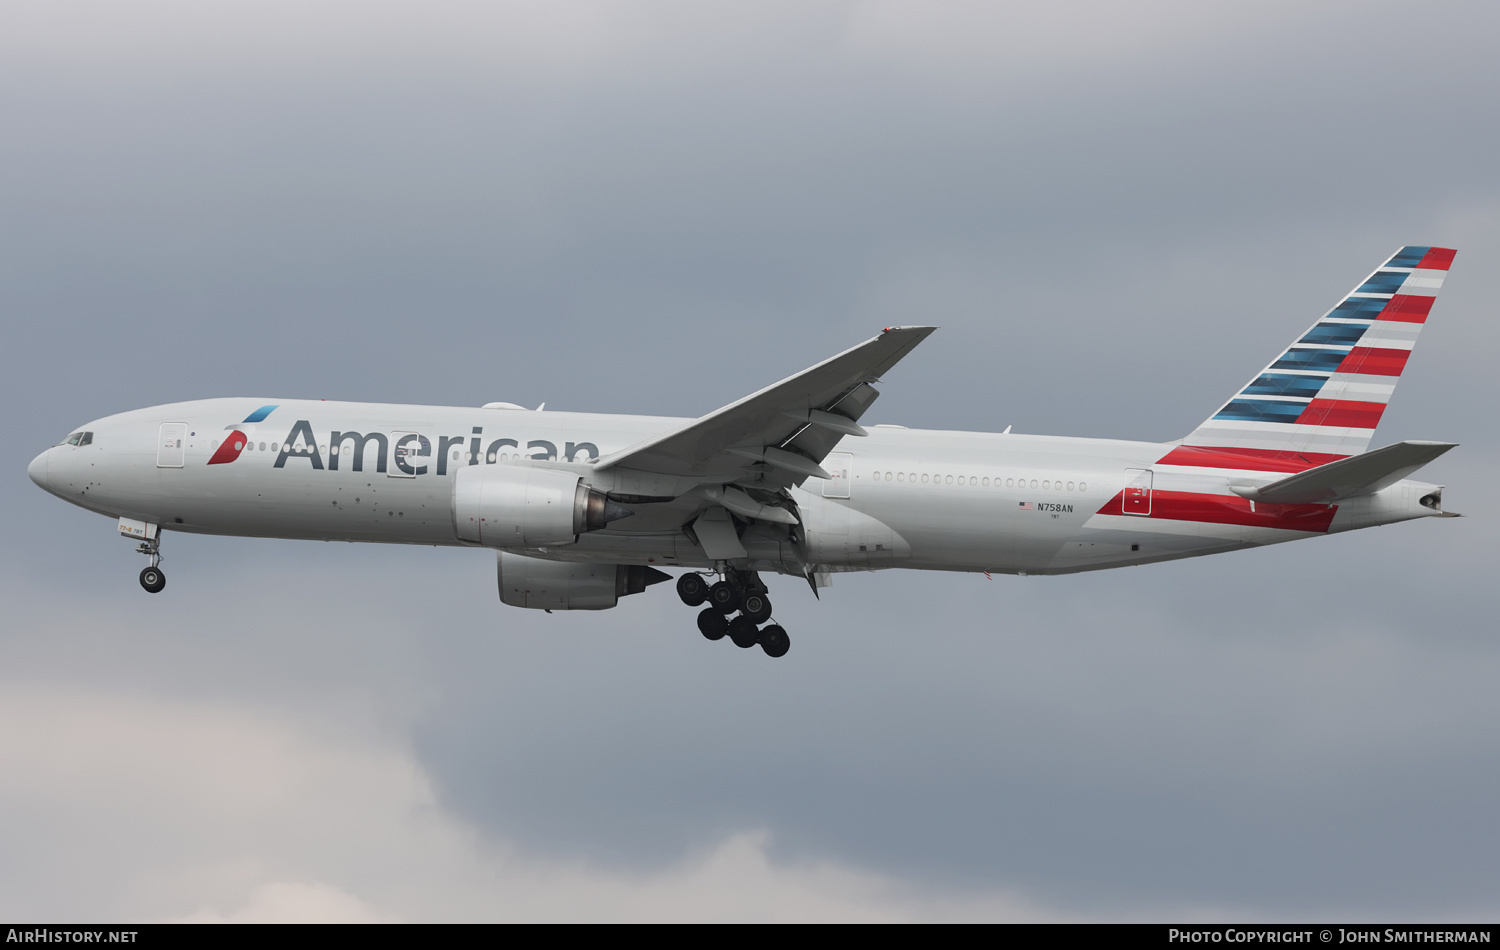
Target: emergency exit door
<point>841,466</point>
<point>169,445</point>
<point>1137,496</point>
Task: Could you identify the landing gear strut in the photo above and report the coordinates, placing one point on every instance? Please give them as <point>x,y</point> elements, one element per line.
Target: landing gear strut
<point>740,591</point>
<point>152,577</point>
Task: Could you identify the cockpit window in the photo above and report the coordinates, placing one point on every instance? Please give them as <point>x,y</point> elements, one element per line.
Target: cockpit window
<point>88,439</point>
<point>73,439</point>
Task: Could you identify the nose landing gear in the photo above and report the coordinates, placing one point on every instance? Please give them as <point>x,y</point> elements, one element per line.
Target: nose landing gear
<point>740,591</point>
<point>152,577</point>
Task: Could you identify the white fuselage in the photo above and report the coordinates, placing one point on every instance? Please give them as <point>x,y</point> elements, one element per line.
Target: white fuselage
<point>926,499</point>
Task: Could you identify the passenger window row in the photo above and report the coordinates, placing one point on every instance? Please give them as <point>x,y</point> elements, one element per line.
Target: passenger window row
<point>247,446</point>
<point>251,447</point>
<point>1045,484</point>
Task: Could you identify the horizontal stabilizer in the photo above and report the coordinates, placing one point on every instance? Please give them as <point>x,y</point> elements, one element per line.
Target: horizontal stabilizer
<point>1357,475</point>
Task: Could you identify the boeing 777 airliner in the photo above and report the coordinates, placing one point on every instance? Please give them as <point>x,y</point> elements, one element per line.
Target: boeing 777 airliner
<point>583,508</point>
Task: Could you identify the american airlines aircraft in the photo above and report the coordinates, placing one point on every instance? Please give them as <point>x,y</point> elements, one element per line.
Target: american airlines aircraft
<point>584,508</point>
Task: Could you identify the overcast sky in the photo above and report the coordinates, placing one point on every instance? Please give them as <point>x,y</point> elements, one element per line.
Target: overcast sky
<point>1117,213</point>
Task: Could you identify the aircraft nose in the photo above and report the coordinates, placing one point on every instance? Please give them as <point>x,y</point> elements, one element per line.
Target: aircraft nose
<point>38,469</point>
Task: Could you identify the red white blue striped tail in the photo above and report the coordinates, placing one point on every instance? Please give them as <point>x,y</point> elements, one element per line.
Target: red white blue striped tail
<point>1322,399</point>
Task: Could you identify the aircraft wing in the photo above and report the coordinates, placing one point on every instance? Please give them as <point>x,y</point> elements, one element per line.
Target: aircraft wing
<point>777,437</point>
<point>1356,475</point>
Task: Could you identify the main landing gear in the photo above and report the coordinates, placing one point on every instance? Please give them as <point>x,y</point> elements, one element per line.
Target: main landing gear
<point>740,591</point>
<point>152,577</point>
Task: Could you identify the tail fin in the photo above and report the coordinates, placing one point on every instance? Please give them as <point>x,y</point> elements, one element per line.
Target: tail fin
<point>1321,399</point>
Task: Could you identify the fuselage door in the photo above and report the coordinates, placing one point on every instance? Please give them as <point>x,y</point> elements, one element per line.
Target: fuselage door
<point>169,445</point>
<point>410,453</point>
<point>1137,496</point>
<point>841,466</point>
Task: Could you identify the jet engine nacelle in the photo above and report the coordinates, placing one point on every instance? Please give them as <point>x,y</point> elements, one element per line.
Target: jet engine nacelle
<point>564,585</point>
<point>524,506</point>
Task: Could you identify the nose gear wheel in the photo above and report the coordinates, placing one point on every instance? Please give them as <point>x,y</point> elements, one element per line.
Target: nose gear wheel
<point>153,579</point>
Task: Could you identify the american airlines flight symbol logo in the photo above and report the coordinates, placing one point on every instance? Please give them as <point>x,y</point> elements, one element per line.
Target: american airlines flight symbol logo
<point>234,443</point>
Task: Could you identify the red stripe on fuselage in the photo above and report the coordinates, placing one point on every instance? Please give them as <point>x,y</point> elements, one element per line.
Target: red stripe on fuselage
<point>1252,460</point>
<point>1342,413</point>
<point>1375,362</point>
<point>1230,509</point>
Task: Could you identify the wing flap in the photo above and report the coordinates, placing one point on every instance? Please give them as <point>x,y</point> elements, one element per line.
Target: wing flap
<point>746,507</point>
<point>717,537</point>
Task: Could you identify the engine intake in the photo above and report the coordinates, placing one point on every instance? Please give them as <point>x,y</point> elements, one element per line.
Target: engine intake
<point>521,506</point>
<point>564,585</point>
